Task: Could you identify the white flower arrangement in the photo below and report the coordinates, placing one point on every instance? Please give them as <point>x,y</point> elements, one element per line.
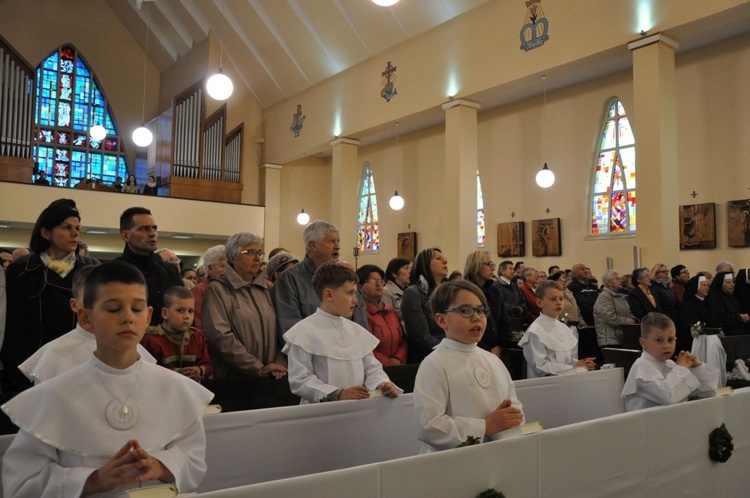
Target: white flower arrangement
<point>565,318</point>
<point>696,329</point>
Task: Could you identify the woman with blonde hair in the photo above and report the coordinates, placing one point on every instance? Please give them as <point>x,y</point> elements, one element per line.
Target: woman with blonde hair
<point>479,270</point>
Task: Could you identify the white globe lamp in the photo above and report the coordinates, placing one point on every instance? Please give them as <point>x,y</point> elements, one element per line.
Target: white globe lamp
<point>385,3</point>
<point>98,132</point>
<point>142,136</point>
<point>545,178</point>
<point>219,86</point>
<point>303,218</point>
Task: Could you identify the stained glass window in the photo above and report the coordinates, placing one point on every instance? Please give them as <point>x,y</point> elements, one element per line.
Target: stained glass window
<point>481,235</point>
<point>368,236</point>
<point>613,201</point>
<point>68,102</point>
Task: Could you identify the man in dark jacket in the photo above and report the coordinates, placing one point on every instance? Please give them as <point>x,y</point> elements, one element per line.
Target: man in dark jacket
<point>511,295</point>
<point>138,230</point>
<point>584,290</point>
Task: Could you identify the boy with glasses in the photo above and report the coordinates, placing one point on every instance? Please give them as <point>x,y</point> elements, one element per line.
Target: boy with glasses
<point>461,390</point>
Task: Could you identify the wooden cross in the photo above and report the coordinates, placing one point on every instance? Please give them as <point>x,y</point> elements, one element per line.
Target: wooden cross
<point>694,194</point>
<point>389,70</point>
<point>547,210</point>
<point>513,214</point>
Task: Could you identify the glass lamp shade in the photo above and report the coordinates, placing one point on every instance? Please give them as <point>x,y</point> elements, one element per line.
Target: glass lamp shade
<point>303,218</point>
<point>545,178</point>
<point>142,136</point>
<point>98,132</point>
<point>385,3</point>
<point>219,86</point>
<point>396,202</point>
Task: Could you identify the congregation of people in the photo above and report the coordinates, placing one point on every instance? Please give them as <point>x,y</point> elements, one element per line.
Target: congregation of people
<point>320,325</point>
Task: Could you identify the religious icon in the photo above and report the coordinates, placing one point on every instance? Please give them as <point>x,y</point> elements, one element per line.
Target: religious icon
<point>297,120</point>
<point>698,226</point>
<point>389,90</point>
<point>738,223</point>
<point>510,239</point>
<point>534,31</point>
<point>407,245</point>
<point>545,237</point>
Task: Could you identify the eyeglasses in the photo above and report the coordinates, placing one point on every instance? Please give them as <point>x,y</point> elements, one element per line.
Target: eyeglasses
<point>684,272</point>
<point>491,264</point>
<point>253,252</point>
<point>375,281</point>
<point>468,311</point>
<point>174,261</point>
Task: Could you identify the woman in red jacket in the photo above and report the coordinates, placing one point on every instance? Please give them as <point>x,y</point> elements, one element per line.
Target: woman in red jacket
<point>382,320</point>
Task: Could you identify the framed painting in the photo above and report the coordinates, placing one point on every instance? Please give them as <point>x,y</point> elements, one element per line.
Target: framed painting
<point>545,237</point>
<point>698,226</point>
<point>738,223</point>
<point>510,239</point>
<point>407,245</point>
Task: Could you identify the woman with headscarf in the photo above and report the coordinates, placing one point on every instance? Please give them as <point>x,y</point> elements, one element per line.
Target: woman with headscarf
<point>430,270</point>
<point>694,310</point>
<point>724,306</point>
<point>479,270</point>
<point>238,315</point>
<point>39,289</point>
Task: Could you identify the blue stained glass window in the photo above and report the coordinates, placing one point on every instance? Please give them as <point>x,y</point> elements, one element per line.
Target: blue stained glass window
<point>368,234</point>
<point>613,207</point>
<point>68,102</point>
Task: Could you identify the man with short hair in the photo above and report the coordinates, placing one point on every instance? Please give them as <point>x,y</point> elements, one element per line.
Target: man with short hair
<point>294,295</point>
<point>514,300</point>
<point>725,266</point>
<point>528,286</point>
<point>138,231</point>
<point>20,253</point>
<point>552,270</point>
<point>583,290</point>
<point>169,256</point>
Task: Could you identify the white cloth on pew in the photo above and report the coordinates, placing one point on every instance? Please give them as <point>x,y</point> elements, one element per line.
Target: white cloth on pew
<point>708,349</point>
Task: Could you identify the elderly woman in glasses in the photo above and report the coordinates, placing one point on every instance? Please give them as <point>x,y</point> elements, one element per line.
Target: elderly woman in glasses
<point>238,315</point>
<point>480,271</point>
<point>382,319</point>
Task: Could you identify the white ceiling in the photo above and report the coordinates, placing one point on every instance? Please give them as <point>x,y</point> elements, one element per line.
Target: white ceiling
<point>282,47</point>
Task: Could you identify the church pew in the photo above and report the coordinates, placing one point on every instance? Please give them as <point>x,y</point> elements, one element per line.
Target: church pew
<point>656,452</point>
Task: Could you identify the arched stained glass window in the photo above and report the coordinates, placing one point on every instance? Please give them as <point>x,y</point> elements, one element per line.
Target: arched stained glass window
<point>68,102</point>
<point>481,235</point>
<point>613,201</point>
<point>368,235</point>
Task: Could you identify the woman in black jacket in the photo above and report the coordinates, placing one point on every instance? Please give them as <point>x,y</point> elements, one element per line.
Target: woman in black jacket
<point>430,270</point>
<point>39,289</point>
<point>479,270</point>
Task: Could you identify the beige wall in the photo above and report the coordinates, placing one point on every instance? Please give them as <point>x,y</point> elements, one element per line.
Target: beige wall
<point>713,135</point>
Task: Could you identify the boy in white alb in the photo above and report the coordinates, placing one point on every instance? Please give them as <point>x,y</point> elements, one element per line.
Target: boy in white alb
<point>462,390</point>
<point>330,357</point>
<point>115,422</point>
<point>71,349</point>
<point>549,346</point>
<point>655,379</point>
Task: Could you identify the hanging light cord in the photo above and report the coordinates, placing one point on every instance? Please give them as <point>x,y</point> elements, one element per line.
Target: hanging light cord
<point>221,35</point>
<point>544,132</point>
<point>145,59</point>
